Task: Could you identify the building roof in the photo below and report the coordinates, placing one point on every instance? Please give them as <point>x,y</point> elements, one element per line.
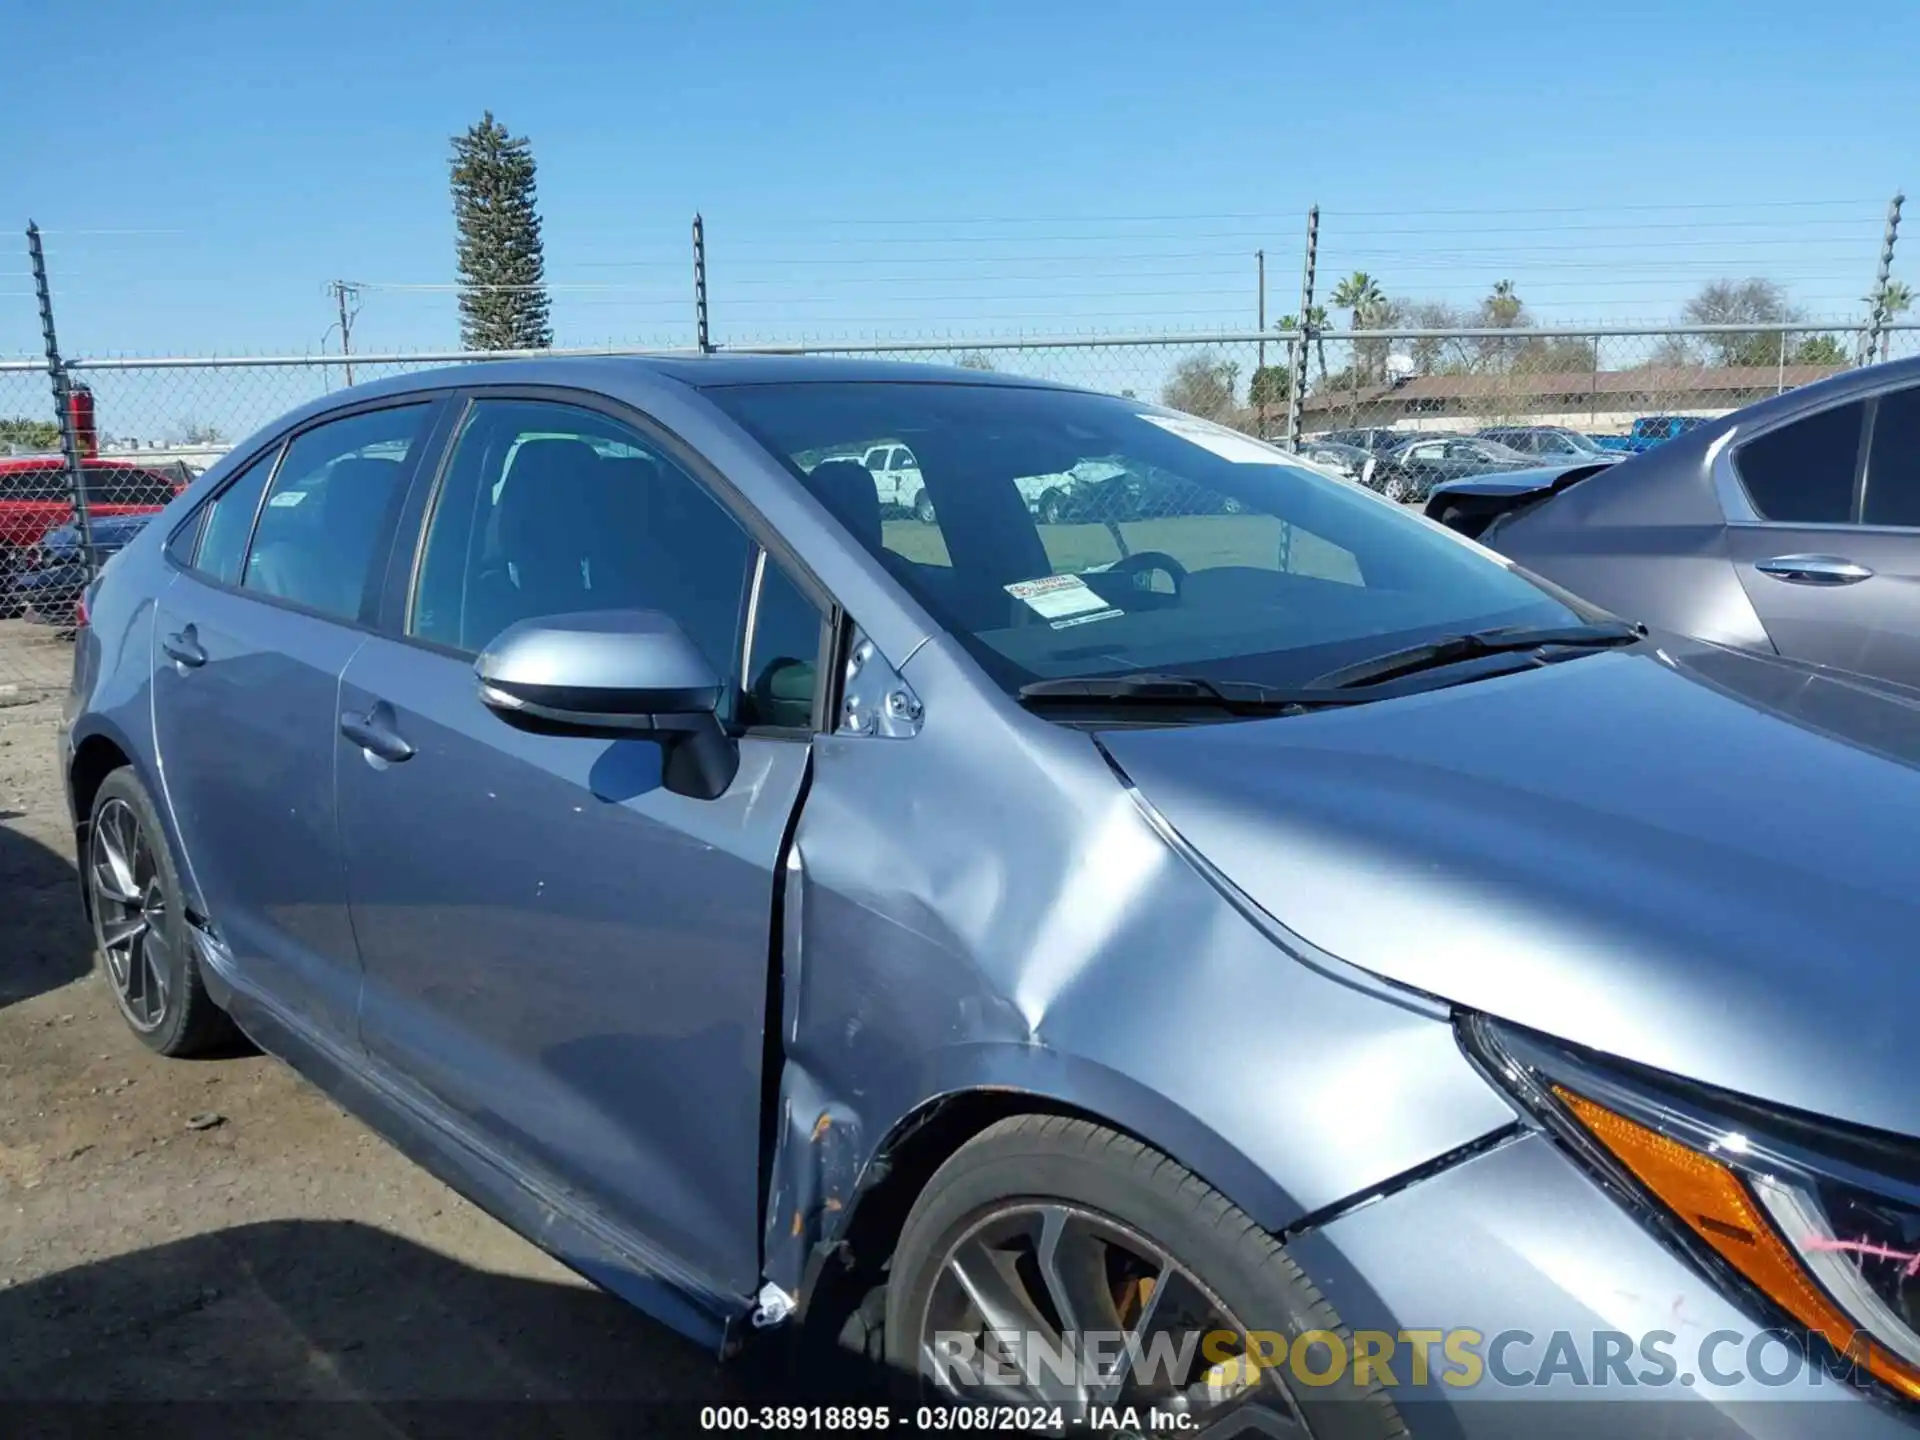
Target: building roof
<point>1665,381</point>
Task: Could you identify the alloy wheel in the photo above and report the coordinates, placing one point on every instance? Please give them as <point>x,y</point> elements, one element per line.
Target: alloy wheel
<point>131,909</point>
<point>1049,1277</point>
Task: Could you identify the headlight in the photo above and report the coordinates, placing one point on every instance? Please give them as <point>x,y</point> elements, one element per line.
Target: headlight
<point>1820,1222</point>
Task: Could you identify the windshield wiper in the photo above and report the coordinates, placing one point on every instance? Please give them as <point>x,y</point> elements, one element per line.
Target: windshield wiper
<point>1148,688</point>
<point>1453,649</point>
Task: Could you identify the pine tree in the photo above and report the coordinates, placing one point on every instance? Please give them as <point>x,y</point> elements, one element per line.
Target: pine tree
<point>503,293</point>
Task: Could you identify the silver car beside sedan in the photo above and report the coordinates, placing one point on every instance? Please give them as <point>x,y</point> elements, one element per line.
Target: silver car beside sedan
<point>1790,527</point>
<point>1275,966</point>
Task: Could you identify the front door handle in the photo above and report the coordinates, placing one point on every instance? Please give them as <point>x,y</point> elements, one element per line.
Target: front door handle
<point>1814,570</point>
<point>373,732</point>
<point>184,648</point>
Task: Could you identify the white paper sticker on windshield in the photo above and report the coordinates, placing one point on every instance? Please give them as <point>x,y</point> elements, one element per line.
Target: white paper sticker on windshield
<point>1063,599</point>
<point>1227,444</point>
<point>287,499</point>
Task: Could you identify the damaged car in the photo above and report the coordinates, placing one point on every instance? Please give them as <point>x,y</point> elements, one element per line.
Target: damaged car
<point>1172,964</point>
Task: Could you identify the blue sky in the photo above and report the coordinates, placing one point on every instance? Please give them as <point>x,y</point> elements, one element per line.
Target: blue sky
<point>910,169</point>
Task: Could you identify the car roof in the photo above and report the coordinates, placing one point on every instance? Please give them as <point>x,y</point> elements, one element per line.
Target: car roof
<point>705,371</point>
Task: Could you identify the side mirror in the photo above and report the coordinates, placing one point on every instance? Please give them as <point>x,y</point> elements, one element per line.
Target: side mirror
<point>614,674</point>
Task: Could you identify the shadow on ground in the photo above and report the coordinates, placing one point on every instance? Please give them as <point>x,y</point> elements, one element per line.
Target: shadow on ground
<point>47,944</point>
<point>334,1327</point>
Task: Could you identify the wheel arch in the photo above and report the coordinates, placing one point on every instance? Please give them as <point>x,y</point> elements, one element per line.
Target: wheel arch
<point>98,749</point>
<point>839,1242</point>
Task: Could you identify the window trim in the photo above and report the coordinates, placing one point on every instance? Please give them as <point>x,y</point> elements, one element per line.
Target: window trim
<point>1863,482</point>
<point>432,401</point>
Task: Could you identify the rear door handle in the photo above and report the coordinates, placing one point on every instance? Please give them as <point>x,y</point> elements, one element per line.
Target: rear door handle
<point>1814,570</point>
<point>373,732</point>
<point>184,648</point>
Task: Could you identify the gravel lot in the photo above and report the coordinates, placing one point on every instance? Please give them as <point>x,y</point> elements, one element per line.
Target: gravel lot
<point>217,1229</point>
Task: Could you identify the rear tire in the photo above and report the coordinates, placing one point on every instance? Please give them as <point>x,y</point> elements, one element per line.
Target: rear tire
<point>142,938</point>
<point>1110,1183</point>
<point>1396,489</point>
<point>1052,508</point>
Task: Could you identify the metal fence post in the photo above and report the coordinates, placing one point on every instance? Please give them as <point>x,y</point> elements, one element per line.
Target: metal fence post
<point>1303,331</point>
<point>1877,320</point>
<point>62,401</point>
<point>700,286</point>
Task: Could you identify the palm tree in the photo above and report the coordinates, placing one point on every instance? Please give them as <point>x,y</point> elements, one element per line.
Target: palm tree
<point>1358,292</point>
<point>1317,319</point>
<point>1502,307</point>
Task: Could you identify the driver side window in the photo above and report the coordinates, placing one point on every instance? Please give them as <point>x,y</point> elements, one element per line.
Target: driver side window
<point>551,509</point>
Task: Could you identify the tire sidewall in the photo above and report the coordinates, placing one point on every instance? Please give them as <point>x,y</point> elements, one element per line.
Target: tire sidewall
<point>973,1184</point>
<point>124,785</point>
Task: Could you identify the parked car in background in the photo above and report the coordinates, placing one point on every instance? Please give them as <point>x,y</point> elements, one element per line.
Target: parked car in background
<point>1409,472</point>
<point>1792,526</point>
<point>1124,495</point>
<point>55,572</point>
<point>1653,430</point>
<point>1374,439</point>
<point>896,477</point>
<point>35,497</point>
<point>1348,460</point>
<point>1310,925</point>
<point>1549,443</point>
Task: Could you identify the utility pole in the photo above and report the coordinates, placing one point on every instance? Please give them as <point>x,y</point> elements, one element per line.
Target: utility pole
<point>62,403</point>
<point>1877,333</point>
<point>1303,332</point>
<point>342,290</point>
<point>1260,361</point>
<point>700,285</point>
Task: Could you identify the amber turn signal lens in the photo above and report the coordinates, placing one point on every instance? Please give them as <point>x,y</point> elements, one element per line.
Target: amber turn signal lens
<point>1715,1205</point>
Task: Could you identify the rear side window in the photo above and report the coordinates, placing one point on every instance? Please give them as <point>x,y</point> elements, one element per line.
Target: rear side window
<point>1893,462</point>
<point>326,523</point>
<point>1802,474</point>
<point>223,538</point>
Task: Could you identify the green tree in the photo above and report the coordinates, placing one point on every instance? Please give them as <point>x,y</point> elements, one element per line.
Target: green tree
<point>1270,386</point>
<point>1819,350</point>
<point>1755,301</point>
<point>1202,385</point>
<point>21,433</point>
<point>502,265</point>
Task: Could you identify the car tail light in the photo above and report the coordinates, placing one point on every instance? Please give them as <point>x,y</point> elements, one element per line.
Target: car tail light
<point>81,617</point>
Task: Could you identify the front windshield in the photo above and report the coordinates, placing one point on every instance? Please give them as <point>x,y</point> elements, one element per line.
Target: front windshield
<point>1060,534</point>
<point>1580,442</point>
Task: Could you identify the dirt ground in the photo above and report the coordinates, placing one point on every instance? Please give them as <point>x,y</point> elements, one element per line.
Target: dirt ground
<point>215,1229</point>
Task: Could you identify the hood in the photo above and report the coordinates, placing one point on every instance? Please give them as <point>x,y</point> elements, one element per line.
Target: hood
<point>1682,855</point>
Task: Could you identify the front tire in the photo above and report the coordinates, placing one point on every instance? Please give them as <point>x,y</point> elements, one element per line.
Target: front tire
<point>923,508</point>
<point>140,928</point>
<point>1397,490</point>
<point>1047,1226</point>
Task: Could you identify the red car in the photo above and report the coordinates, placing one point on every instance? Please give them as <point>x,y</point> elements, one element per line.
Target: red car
<point>35,498</point>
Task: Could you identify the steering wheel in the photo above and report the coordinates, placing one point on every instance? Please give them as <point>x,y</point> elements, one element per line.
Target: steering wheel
<point>1145,562</point>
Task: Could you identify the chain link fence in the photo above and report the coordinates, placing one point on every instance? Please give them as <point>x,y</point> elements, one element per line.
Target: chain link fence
<point>143,428</point>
